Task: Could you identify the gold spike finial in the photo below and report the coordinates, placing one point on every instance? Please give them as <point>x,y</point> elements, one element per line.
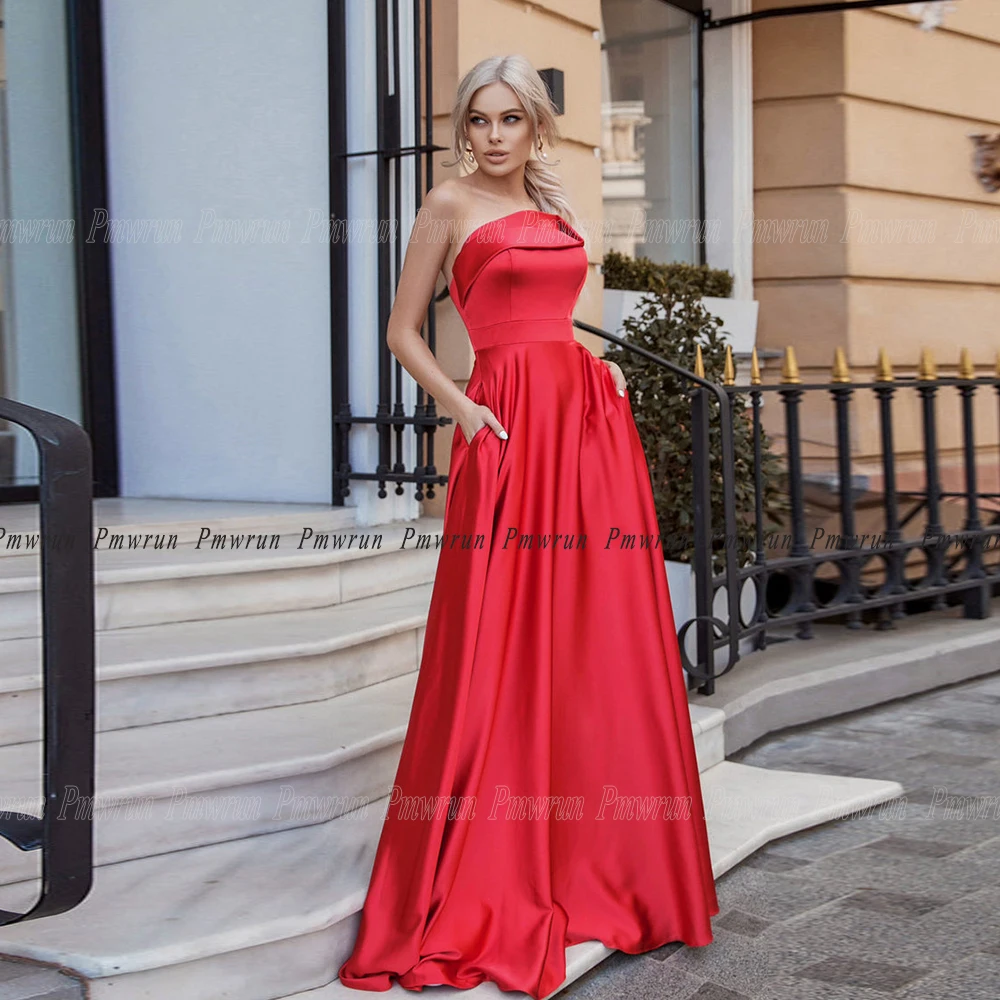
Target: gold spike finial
<point>790,367</point>
<point>927,370</point>
<point>966,369</point>
<point>883,370</point>
<point>729,375</point>
<point>755,366</point>
<point>841,373</point>
<point>699,365</point>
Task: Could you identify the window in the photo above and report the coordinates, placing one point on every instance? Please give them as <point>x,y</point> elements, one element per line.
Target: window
<point>650,137</point>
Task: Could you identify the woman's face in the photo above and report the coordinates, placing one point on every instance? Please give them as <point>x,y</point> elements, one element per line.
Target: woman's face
<point>497,124</point>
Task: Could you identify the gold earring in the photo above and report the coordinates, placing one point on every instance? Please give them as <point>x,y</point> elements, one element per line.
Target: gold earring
<point>470,155</point>
<point>544,156</point>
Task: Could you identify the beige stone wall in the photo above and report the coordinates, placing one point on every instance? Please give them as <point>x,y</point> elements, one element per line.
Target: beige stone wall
<point>550,33</point>
<point>861,122</point>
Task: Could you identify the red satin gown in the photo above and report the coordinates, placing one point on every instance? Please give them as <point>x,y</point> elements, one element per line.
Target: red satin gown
<point>547,791</point>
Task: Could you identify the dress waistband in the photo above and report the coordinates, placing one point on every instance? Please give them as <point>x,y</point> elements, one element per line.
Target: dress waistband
<point>520,331</point>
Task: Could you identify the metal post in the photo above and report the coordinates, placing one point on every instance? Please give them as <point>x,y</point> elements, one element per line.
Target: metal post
<point>701,459</point>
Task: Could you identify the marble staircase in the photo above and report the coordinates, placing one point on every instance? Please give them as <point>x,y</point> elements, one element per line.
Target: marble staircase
<point>251,709</point>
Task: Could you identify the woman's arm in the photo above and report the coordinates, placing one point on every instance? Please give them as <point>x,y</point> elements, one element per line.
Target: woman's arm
<point>430,240</point>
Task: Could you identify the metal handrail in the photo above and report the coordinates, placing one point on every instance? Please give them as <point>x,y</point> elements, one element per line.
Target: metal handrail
<point>706,622</point>
<point>64,837</point>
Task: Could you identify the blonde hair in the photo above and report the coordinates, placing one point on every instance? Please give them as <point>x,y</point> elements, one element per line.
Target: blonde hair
<point>542,183</point>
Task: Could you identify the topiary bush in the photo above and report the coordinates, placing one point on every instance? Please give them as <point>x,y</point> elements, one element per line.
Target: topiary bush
<point>640,274</point>
<point>671,321</point>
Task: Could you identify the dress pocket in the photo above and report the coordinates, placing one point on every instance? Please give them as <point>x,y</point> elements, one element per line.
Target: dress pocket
<point>485,429</point>
<point>609,379</point>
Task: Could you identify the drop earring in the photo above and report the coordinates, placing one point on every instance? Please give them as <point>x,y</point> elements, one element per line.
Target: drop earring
<point>470,155</point>
<point>541,154</point>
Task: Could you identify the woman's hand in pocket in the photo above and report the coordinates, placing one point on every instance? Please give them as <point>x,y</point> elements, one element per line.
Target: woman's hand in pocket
<point>475,418</point>
<point>617,375</point>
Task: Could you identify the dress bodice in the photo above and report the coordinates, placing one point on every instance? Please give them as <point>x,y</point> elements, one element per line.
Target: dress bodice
<point>518,278</point>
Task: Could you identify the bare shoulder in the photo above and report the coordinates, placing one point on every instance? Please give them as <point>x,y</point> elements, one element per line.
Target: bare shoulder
<point>443,207</point>
<point>446,197</point>
<point>439,216</point>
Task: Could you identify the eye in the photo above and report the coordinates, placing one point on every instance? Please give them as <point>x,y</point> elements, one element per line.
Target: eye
<point>475,119</point>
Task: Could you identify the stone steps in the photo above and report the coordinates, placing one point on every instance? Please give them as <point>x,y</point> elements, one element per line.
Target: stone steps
<point>176,785</point>
<point>153,587</point>
<point>275,915</point>
<point>191,782</point>
<point>185,518</point>
<point>152,674</point>
<point>247,702</point>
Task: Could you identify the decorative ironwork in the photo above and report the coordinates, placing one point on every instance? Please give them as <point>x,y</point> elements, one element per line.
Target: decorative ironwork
<point>390,419</point>
<point>908,570</point>
<point>713,633</point>
<point>839,582</point>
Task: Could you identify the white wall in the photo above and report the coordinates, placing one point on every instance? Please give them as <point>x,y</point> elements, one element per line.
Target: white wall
<point>222,345</point>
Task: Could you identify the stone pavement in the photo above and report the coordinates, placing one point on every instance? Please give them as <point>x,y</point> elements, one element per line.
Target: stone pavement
<point>27,981</point>
<point>901,903</point>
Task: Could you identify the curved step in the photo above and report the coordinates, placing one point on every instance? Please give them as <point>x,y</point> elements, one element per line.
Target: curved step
<point>150,586</point>
<point>161,673</point>
<point>276,915</point>
<point>193,782</point>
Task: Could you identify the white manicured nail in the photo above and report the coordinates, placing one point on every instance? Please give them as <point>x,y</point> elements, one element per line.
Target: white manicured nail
<point>503,434</point>
<point>621,392</point>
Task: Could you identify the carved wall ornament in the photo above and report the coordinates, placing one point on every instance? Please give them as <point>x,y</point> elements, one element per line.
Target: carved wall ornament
<point>986,159</point>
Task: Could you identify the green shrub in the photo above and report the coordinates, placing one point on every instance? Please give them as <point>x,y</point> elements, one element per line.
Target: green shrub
<point>640,274</point>
<point>671,322</point>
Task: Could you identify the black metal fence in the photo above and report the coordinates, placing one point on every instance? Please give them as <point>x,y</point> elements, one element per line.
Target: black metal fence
<point>711,633</point>
<point>802,572</point>
<point>909,559</point>
<point>64,837</point>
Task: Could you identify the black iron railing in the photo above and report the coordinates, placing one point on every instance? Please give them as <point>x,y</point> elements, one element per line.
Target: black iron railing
<point>64,837</point>
<point>712,633</point>
<point>831,576</point>
<point>393,87</point>
<point>903,566</point>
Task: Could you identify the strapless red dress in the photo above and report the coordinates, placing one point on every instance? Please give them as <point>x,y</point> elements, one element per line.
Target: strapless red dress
<point>547,791</point>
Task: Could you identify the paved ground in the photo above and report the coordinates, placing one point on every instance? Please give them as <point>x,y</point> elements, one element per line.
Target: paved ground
<point>23,981</point>
<point>902,903</point>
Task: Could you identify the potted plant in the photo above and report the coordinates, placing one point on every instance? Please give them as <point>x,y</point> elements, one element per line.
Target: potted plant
<point>627,279</point>
<point>672,321</point>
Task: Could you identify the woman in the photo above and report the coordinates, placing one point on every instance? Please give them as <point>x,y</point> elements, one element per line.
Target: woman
<point>547,791</point>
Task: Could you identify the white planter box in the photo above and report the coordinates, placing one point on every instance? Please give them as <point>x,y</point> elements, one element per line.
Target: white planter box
<point>739,320</point>
<point>739,316</point>
<point>680,580</point>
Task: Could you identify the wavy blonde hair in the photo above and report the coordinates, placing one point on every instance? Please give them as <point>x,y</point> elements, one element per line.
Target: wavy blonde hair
<point>542,183</point>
